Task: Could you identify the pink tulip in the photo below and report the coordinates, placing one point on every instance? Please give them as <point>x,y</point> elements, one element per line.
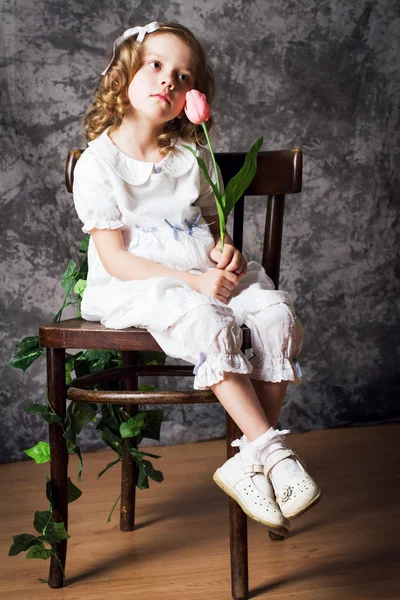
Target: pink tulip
<point>197,108</point>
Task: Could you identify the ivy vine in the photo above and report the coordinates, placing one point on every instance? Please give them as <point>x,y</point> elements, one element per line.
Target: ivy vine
<point>116,425</point>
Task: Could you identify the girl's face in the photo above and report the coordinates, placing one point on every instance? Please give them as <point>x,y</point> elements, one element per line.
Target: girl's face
<point>158,89</point>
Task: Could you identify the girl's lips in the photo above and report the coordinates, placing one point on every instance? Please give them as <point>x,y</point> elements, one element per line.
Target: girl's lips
<point>162,97</point>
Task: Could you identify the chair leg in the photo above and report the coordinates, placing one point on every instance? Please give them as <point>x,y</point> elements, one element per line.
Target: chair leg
<point>59,457</point>
<point>238,530</point>
<point>129,471</point>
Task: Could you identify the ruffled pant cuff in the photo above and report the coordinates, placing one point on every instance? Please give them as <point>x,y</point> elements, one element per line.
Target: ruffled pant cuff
<point>276,370</point>
<point>211,370</point>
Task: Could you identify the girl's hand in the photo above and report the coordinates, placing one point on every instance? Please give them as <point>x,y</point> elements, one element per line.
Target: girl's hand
<point>217,283</point>
<point>230,259</point>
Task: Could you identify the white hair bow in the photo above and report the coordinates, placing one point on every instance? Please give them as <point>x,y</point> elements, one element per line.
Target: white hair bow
<point>140,31</point>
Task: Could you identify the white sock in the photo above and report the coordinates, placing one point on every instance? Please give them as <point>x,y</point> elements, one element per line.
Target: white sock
<point>267,443</point>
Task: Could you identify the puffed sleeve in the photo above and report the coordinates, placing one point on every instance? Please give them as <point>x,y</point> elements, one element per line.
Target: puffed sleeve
<point>94,196</point>
<point>206,199</point>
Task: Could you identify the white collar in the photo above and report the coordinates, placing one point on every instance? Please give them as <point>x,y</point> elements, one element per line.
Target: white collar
<point>176,163</point>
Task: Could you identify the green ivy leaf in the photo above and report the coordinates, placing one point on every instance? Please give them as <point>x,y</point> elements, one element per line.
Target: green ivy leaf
<point>84,244</point>
<point>22,542</point>
<point>138,454</point>
<point>73,492</point>
<point>49,490</point>
<point>68,277</point>
<point>130,428</point>
<point>79,287</point>
<point>110,464</point>
<point>44,411</point>
<point>29,351</point>
<point>112,440</point>
<point>79,414</point>
<point>39,551</point>
<point>91,361</point>
<point>41,520</point>
<point>142,479</point>
<point>52,532</point>
<point>40,453</point>
<point>151,358</point>
<point>72,449</point>
<point>152,425</point>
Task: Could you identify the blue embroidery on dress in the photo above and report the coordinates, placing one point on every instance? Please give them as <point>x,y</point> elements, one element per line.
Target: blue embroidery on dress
<point>175,229</point>
<point>202,361</point>
<point>147,230</point>
<point>190,225</point>
<point>194,223</point>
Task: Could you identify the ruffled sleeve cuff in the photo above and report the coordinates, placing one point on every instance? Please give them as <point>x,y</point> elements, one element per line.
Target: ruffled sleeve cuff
<point>101,222</point>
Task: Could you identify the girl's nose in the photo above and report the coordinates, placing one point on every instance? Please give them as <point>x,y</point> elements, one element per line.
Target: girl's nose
<point>168,80</point>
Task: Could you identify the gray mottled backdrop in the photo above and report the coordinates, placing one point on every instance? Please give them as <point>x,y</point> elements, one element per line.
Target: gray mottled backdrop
<point>316,74</point>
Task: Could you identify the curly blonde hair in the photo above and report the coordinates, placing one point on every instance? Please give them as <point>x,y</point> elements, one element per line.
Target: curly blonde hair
<point>111,101</point>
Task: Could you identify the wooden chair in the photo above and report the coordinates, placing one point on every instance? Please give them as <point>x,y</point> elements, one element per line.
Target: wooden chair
<point>278,173</point>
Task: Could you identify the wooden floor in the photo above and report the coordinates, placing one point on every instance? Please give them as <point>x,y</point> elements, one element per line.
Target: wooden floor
<point>347,547</point>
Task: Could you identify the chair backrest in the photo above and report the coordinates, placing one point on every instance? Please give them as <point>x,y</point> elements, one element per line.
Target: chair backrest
<point>279,172</point>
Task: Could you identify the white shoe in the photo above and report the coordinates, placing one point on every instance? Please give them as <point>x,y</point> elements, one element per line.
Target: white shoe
<point>235,478</point>
<point>299,493</point>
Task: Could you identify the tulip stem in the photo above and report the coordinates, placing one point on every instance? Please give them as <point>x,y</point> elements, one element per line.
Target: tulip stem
<point>213,160</point>
<point>217,178</point>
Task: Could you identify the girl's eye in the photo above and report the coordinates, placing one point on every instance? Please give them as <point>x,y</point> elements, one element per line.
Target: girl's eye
<point>183,77</point>
<point>155,64</point>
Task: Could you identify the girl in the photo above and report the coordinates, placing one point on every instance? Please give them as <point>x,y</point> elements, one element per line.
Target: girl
<point>155,261</point>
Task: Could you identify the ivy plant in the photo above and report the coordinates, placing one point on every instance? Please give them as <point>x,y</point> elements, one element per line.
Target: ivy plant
<point>117,427</point>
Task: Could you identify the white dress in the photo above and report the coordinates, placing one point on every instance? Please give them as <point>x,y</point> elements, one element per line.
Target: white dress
<point>159,209</point>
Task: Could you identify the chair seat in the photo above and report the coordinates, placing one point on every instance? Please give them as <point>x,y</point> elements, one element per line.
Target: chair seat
<point>91,335</point>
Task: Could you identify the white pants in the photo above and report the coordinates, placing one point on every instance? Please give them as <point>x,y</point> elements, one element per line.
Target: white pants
<point>209,335</point>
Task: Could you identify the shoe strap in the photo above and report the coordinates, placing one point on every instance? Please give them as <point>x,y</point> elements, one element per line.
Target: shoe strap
<point>275,457</point>
<point>253,469</point>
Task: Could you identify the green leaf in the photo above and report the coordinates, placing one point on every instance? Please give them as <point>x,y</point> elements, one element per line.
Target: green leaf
<point>130,429</point>
<point>22,542</point>
<point>79,287</point>
<point>29,351</point>
<point>142,479</point>
<point>73,492</point>
<point>151,472</point>
<point>152,425</point>
<point>79,414</point>
<point>39,551</point>
<point>146,388</point>
<point>84,244</point>
<point>151,358</point>
<point>68,277</point>
<point>72,449</point>
<point>44,411</point>
<point>138,454</point>
<point>40,453</point>
<point>91,361</point>
<point>51,531</point>
<point>49,490</point>
<point>112,440</point>
<point>110,464</point>
<point>239,184</point>
<point>41,520</point>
